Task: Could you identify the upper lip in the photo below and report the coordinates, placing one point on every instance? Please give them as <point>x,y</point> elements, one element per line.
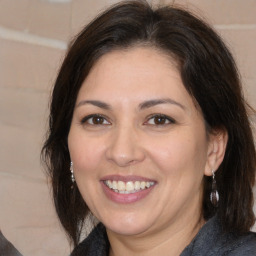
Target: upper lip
<point>126,178</point>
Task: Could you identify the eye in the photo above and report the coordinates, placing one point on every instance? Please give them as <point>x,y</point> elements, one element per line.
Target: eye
<point>159,119</point>
<point>95,119</point>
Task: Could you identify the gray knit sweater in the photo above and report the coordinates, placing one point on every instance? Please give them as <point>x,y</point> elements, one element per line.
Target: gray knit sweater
<point>6,248</point>
<point>210,241</point>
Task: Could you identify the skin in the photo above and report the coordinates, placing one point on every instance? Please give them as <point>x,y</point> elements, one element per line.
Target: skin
<point>127,140</point>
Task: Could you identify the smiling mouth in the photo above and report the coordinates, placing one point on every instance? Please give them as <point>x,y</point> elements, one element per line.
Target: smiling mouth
<point>128,187</point>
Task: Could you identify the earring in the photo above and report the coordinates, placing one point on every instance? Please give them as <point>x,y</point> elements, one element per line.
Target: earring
<point>72,172</point>
<point>214,196</point>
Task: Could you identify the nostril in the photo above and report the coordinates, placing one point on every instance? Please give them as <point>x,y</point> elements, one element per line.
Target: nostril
<point>123,148</point>
<point>124,156</point>
<point>121,159</point>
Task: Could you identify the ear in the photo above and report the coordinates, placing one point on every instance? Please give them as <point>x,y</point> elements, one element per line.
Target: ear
<point>216,150</point>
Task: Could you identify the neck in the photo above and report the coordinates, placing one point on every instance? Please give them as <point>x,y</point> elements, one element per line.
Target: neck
<point>170,241</point>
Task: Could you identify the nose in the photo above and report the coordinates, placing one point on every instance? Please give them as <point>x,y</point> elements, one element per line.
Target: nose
<point>125,148</point>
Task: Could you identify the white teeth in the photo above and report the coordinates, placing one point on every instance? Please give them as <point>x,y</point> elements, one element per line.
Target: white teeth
<point>114,184</point>
<point>109,184</point>
<point>143,185</point>
<point>137,185</point>
<point>120,185</point>
<point>128,187</point>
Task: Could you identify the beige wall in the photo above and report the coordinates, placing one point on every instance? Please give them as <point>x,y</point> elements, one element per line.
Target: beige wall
<point>33,39</point>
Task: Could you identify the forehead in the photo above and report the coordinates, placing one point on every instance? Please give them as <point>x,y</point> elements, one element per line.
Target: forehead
<point>131,55</point>
<point>138,68</point>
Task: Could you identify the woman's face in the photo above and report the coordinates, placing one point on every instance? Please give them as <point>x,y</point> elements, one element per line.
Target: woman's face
<point>138,144</point>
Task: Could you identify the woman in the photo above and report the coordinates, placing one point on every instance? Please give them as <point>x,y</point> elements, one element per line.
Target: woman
<point>149,133</point>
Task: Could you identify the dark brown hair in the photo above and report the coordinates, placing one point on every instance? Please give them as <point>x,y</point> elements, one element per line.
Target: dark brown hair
<point>210,76</point>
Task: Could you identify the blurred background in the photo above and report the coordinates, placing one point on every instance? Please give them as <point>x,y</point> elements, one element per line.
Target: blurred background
<point>33,38</point>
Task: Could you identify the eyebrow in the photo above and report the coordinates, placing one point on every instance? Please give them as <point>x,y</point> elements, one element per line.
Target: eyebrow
<point>96,103</point>
<point>154,102</point>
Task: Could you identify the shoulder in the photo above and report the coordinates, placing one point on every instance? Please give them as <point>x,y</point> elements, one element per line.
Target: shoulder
<point>96,244</point>
<point>213,241</point>
<point>244,245</point>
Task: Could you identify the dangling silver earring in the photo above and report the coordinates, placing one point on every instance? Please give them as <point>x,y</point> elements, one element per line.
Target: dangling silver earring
<point>214,196</point>
<point>72,172</point>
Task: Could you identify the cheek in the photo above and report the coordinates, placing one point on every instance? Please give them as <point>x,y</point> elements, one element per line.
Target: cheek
<point>178,154</point>
<point>84,152</point>
<point>85,156</point>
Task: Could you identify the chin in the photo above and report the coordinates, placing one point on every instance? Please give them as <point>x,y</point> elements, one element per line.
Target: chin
<point>127,227</point>
<point>127,231</point>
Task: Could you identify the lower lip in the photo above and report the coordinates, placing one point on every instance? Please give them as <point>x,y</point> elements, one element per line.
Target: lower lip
<point>125,198</point>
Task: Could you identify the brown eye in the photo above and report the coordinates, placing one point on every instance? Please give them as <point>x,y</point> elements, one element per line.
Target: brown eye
<point>159,120</point>
<point>95,120</point>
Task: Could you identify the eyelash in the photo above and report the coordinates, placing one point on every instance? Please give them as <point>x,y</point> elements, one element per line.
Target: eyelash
<point>87,118</point>
<point>160,116</point>
<point>103,120</point>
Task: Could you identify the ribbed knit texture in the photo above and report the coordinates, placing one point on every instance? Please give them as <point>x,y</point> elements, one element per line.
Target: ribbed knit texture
<point>210,241</point>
